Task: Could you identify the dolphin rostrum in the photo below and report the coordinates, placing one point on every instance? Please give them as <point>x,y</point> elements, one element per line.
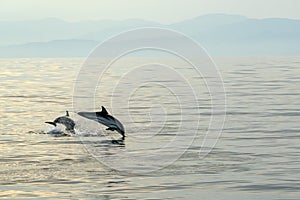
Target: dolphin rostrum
<point>104,118</point>
<point>66,121</point>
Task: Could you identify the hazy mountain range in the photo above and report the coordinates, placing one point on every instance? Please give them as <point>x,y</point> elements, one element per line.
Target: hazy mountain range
<point>220,34</point>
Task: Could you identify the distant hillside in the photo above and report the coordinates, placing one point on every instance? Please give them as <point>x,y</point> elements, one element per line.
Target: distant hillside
<point>21,32</point>
<point>219,34</point>
<point>56,48</point>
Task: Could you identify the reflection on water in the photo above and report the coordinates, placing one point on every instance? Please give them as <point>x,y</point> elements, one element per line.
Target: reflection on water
<point>257,156</point>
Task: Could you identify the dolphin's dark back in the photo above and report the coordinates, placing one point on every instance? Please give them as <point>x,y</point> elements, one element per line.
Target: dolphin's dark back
<point>66,121</point>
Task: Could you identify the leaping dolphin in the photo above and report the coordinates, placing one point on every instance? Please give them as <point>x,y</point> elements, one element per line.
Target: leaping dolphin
<point>66,121</point>
<point>104,118</point>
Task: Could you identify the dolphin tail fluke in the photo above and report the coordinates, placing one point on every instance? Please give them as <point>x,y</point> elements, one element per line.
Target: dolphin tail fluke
<point>52,123</point>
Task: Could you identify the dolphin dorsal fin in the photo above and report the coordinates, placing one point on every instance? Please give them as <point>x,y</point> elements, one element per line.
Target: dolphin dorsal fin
<point>67,113</point>
<point>104,111</point>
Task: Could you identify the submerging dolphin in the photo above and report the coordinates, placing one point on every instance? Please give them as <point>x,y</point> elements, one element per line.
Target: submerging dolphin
<point>104,118</point>
<point>66,121</point>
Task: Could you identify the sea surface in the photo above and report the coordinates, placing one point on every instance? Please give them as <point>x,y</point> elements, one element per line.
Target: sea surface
<point>257,155</point>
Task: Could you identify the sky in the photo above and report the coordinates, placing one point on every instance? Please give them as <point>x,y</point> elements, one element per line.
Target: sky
<point>163,11</point>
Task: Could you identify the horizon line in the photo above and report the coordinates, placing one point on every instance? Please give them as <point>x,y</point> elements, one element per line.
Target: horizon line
<point>146,20</point>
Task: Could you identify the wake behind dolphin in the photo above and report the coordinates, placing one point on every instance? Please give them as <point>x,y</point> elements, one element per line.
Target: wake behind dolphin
<point>104,118</point>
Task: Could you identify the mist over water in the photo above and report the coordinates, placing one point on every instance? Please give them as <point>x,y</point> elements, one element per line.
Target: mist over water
<point>256,157</point>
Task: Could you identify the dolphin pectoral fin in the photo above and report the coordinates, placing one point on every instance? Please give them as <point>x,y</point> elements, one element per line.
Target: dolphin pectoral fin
<point>52,123</point>
<point>114,129</point>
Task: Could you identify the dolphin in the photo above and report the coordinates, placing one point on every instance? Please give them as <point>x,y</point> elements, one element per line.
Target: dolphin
<point>66,121</point>
<point>104,118</point>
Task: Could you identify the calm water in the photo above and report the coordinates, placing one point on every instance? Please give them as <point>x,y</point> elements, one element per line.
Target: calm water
<point>256,157</point>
